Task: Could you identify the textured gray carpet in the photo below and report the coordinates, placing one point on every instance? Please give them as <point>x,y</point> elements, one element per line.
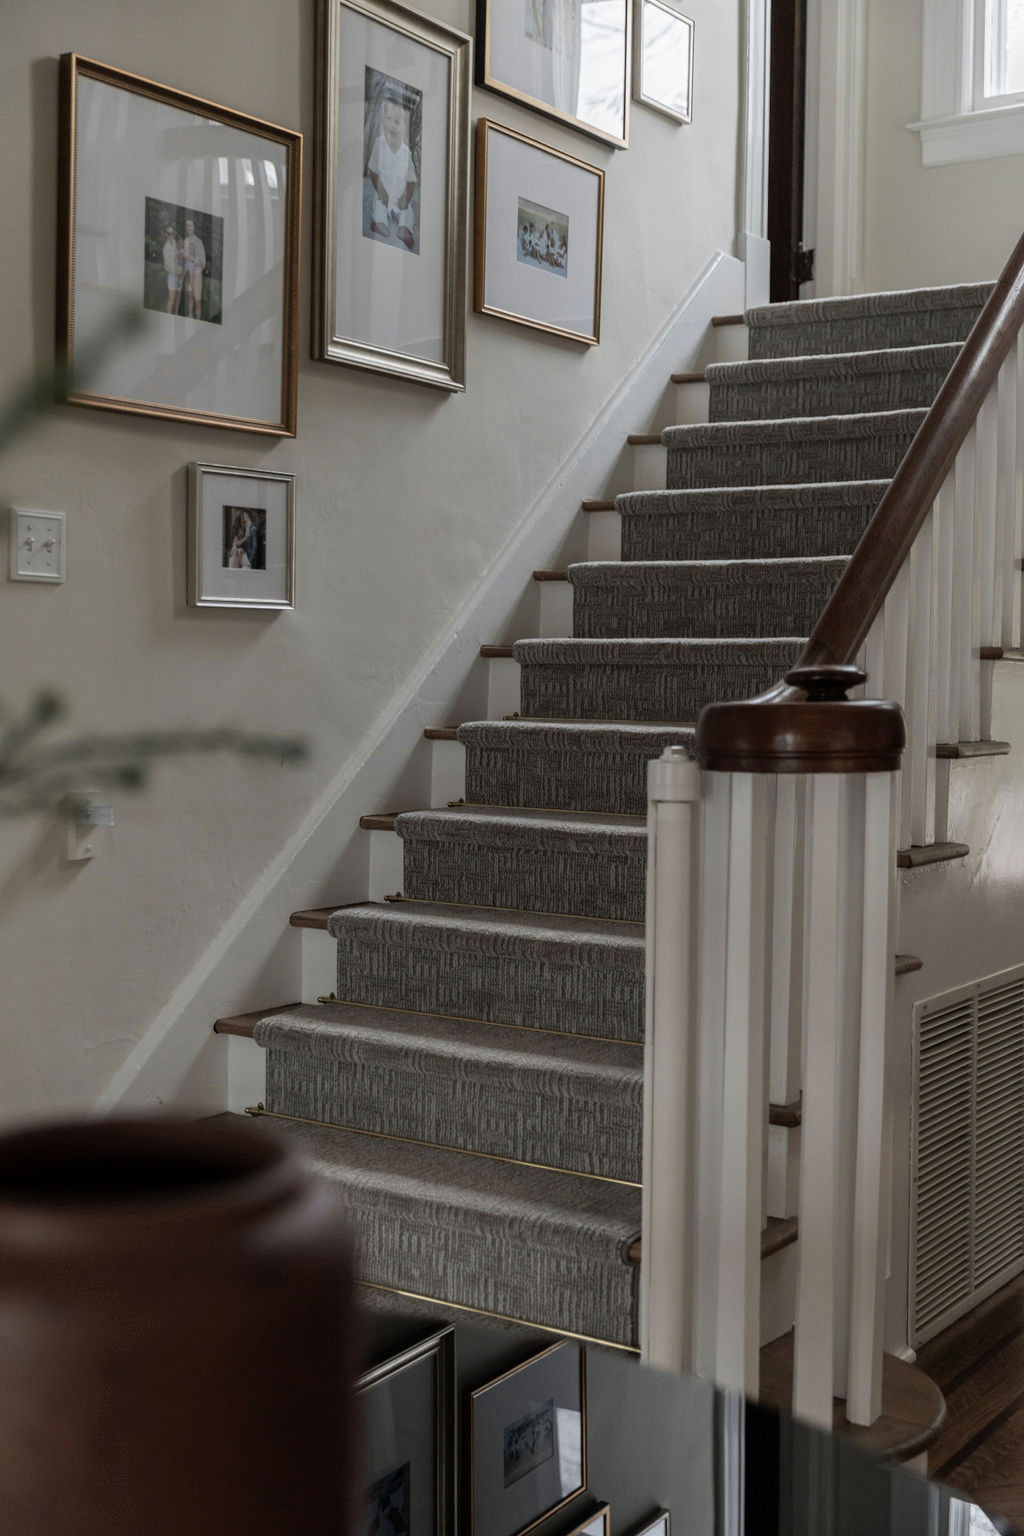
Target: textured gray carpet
<point>493,1019</point>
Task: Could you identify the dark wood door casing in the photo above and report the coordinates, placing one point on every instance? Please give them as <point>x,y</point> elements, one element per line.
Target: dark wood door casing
<point>786,144</point>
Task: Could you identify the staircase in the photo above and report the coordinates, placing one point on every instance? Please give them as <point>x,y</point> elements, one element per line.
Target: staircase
<point>474,1090</point>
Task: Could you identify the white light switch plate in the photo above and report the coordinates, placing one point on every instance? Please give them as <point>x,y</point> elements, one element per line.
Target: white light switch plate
<point>37,545</point>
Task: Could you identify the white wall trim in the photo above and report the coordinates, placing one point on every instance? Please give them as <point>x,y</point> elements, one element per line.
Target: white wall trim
<point>753,246</point>
<point>253,961</point>
<point>952,129</point>
<point>834,210</point>
<point>986,135</point>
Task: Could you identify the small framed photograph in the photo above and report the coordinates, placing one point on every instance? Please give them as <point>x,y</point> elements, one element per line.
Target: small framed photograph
<point>664,60</point>
<point>569,59</point>
<point>657,1525</point>
<point>241,538</point>
<point>528,1442</point>
<point>539,235</point>
<point>408,1408</point>
<point>392,185</point>
<point>178,245</point>
<point>594,1524</point>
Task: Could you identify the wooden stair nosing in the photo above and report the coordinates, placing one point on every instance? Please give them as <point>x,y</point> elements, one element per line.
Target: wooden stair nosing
<point>441,733</point>
<point>689,378</point>
<point>728,319</point>
<point>597,506</point>
<point>383,821</point>
<point>543,575</point>
<point>965,749</point>
<point>913,1407</point>
<point>931,853</point>
<point>496,652</point>
<point>778,1233</point>
<point>907,963</point>
<point>644,439</point>
<point>245,1023</point>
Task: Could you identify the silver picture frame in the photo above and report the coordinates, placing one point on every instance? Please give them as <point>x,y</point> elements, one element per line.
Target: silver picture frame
<point>241,538</point>
<point>415,1481</point>
<point>662,34</point>
<point>396,311</point>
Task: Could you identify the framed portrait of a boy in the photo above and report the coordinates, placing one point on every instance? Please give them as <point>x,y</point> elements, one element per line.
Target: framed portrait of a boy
<point>569,59</point>
<point>391,177</point>
<point>178,250</point>
<point>241,537</point>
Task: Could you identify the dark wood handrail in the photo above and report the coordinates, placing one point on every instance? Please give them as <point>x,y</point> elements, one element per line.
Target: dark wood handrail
<point>752,736</point>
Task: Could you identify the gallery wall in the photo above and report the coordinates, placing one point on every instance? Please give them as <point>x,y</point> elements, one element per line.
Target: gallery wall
<point>934,225</point>
<point>405,497</point>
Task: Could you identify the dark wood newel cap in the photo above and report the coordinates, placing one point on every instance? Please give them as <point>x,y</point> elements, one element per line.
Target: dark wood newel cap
<point>808,727</point>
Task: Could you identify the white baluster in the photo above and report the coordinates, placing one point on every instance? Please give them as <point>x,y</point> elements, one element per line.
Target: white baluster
<point>966,664</point>
<point>942,646</point>
<point>895,666</point>
<point>786,1008</point>
<point>986,513</point>
<point>1009,576</point>
<point>744,1109</point>
<point>870,1201</point>
<point>1016,638</point>
<point>917,813</point>
<point>670,1087</point>
<point>872,659</point>
<point>813,1367</point>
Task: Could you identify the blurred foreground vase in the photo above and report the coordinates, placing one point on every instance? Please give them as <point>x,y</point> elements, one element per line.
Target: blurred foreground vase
<point>177,1336</point>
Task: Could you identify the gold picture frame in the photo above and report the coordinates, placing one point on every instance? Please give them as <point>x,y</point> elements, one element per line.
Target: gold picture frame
<point>391,300</point>
<point>178,253</point>
<point>532,54</point>
<point>549,276</point>
<point>522,1436</point>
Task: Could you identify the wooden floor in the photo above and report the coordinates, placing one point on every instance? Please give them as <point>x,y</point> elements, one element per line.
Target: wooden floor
<point>979,1365</point>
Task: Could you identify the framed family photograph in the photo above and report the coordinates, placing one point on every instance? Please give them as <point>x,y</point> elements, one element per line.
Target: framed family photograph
<point>569,59</point>
<point>528,1442</point>
<point>408,1406</point>
<point>241,538</point>
<point>664,60</point>
<point>539,235</point>
<point>178,249</point>
<point>392,190</point>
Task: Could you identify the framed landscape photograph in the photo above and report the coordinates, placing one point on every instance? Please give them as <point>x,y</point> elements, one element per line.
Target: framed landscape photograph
<point>241,538</point>
<point>539,235</point>
<point>528,1442</point>
<point>408,1406</point>
<point>567,58</point>
<point>392,192</point>
<point>664,60</point>
<point>178,248</point>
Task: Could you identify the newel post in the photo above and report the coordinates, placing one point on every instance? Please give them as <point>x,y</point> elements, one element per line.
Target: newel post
<point>840,916</point>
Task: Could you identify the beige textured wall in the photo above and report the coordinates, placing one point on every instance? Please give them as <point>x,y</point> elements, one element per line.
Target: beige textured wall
<point>404,499</point>
<point>923,226</point>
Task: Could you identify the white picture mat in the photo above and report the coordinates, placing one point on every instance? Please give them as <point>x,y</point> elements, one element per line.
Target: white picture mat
<point>665,58</point>
<point>501,1511</point>
<point>518,171</point>
<point>384,296</point>
<point>219,490</point>
<point>583,73</point>
<point>401,1426</point>
<point>130,147</point>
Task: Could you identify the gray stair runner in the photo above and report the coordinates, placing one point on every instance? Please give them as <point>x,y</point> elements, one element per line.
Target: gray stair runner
<point>524,1094</point>
<point>714,598</point>
<point>898,379</point>
<point>526,1243</point>
<point>579,976</point>
<point>479,1084</point>
<point>645,679</point>
<point>538,861</point>
<point>770,522</point>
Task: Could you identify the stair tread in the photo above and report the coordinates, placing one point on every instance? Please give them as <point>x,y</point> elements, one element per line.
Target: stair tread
<point>636,570</point>
<point>931,853</point>
<point>476,820</point>
<point>964,749</point>
<point>622,731</point>
<point>718,434</point>
<point>689,378</point>
<point>511,926</point>
<point>669,650</point>
<point>766,370</point>
<point>891,301</point>
<point>740,498</point>
<point>598,506</point>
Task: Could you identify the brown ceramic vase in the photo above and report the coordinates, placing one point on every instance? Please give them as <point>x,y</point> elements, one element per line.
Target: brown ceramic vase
<point>177,1336</point>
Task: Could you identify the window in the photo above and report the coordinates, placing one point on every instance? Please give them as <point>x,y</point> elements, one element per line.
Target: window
<point>972,104</point>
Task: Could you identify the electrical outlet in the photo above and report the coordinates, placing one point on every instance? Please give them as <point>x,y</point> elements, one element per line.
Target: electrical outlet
<point>37,545</point>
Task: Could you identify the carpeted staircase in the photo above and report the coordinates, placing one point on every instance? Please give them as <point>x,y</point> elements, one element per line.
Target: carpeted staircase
<point>476,1096</point>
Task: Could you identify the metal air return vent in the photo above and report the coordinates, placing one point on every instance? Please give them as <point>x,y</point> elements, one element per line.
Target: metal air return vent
<point>967,1200</point>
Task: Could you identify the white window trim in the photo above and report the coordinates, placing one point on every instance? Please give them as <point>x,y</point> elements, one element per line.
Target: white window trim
<point>951,129</point>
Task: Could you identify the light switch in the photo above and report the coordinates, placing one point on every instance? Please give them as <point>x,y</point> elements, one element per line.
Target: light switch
<point>37,545</point>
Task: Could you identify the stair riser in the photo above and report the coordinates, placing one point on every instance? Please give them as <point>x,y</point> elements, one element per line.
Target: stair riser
<point>622,692</point>
<point>559,780</point>
<point>864,333</point>
<point>543,1118</point>
<point>782,535</point>
<point>841,395</point>
<point>472,1260</point>
<point>586,880</point>
<point>783,460</point>
<point>574,994</point>
<point>754,604</point>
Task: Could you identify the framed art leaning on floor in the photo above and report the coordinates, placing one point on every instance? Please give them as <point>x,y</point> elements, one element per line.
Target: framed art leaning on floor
<point>391,175</point>
<point>178,247</point>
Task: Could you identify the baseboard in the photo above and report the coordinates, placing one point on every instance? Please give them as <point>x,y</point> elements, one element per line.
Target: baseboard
<point>254,958</point>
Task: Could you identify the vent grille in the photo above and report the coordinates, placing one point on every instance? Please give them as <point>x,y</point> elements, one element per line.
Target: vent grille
<point>968,1207</point>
